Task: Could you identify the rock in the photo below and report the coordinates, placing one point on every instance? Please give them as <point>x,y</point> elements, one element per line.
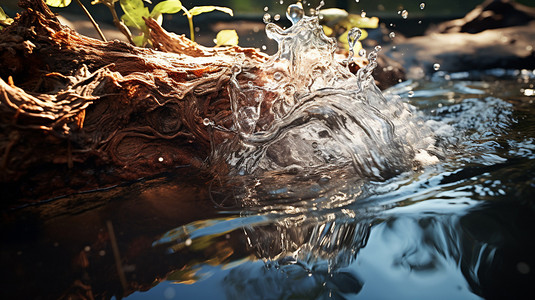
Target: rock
<point>491,14</point>
<point>463,45</point>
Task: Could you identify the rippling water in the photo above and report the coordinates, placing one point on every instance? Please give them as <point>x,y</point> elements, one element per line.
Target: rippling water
<point>459,229</point>
<point>427,194</point>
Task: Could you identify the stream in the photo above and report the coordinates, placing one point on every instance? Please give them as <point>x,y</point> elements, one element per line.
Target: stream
<point>336,191</point>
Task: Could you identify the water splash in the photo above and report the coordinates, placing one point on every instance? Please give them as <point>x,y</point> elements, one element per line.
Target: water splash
<point>305,111</point>
<point>295,12</point>
<point>353,37</point>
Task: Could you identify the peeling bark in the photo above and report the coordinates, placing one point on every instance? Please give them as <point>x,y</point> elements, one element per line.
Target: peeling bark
<point>77,113</point>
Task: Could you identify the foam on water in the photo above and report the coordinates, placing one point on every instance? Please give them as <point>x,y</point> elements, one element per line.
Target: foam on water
<point>306,111</point>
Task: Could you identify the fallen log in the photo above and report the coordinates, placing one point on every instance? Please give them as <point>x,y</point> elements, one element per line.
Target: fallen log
<point>78,114</point>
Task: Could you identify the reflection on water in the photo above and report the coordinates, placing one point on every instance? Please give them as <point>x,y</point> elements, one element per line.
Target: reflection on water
<point>460,229</point>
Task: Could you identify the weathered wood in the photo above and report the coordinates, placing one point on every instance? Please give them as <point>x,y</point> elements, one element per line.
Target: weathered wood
<point>77,113</point>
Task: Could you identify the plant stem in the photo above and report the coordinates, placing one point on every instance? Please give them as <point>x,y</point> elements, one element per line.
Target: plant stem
<point>190,21</point>
<point>119,24</point>
<point>92,20</point>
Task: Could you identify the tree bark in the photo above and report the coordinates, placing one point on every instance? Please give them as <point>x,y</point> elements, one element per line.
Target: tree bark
<point>78,114</point>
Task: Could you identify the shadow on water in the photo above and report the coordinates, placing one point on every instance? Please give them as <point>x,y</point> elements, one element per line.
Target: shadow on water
<point>458,228</point>
<point>461,229</point>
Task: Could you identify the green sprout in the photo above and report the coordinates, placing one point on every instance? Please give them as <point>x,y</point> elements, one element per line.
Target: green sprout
<point>135,13</point>
<point>4,19</point>
<point>337,20</point>
<point>65,3</point>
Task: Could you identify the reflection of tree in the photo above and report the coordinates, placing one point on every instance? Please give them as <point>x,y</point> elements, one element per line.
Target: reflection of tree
<point>334,242</point>
<point>304,258</point>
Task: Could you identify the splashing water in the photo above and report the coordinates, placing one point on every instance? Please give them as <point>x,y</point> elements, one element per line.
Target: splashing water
<point>295,12</point>
<point>306,112</point>
<point>353,37</point>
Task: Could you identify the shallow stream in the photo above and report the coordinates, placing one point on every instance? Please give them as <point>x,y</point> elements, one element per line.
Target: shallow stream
<point>425,193</point>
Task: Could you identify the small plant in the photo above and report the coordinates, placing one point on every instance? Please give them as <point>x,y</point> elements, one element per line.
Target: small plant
<point>135,13</point>
<point>338,22</point>
<point>4,19</point>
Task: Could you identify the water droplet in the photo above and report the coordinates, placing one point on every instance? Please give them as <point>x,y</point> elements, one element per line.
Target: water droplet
<point>281,2</point>
<point>322,3</point>
<point>160,159</point>
<point>422,5</point>
<point>206,122</point>
<point>404,14</point>
<point>295,12</point>
<point>264,47</point>
<point>392,35</point>
<point>411,93</point>
<point>276,17</point>
<point>362,52</point>
<point>277,76</point>
<point>353,36</point>
<point>314,145</point>
<point>266,18</point>
<point>436,67</point>
<point>363,14</point>
<point>266,8</point>
<point>188,242</point>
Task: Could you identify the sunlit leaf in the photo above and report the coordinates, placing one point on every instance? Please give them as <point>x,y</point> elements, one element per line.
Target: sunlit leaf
<point>4,19</point>
<point>105,2</point>
<point>360,22</point>
<point>328,30</point>
<point>227,38</point>
<point>197,10</point>
<point>140,40</point>
<point>166,7</point>
<point>343,37</point>
<point>58,3</point>
<point>332,14</point>
<point>134,11</point>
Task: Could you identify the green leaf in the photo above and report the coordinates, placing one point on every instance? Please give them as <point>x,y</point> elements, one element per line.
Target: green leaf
<point>343,37</point>
<point>332,14</point>
<point>140,40</point>
<point>58,3</point>
<point>197,10</point>
<point>134,11</point>
<point>4,19</point>
<point>166,7</point>
<point>105,2</point>
<point>360,22</point>
<point>226,38</point>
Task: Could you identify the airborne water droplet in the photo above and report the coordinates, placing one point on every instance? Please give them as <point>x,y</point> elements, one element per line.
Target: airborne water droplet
<point>295,12</point>
<point>392,35</point>
<point>411,93</point>
<point>266,8</point>
<point>422,5</point>
<point>276,17</point>
<point>362,52</point>
<point>404,14</point>
<point>353,36</point>
<point>266,18</point>
<point>436,67</point>
<point>206,122</point>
